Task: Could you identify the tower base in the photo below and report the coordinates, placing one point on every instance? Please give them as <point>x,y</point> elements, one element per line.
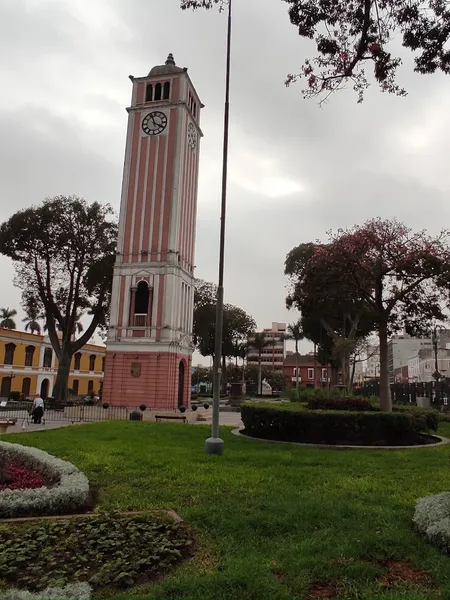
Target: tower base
<point>160,380</point>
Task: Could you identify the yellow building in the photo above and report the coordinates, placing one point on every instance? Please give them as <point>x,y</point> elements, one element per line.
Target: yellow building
<point>28,365</point>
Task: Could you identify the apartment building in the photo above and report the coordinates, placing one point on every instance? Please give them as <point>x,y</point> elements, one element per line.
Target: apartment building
<point>273,354</point>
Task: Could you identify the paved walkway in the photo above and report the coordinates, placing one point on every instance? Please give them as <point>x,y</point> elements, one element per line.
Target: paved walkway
<point>230,419</point>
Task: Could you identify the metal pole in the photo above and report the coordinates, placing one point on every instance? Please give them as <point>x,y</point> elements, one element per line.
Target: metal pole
<point>215,445</point>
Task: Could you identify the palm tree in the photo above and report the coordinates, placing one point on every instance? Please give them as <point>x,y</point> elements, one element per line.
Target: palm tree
<point>295,332</point>
<point>6,316</point>
<point>259,342</point>
<point>242,352</point>
<point>32,315</point>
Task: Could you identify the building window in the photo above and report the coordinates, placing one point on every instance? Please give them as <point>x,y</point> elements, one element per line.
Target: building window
<point>90,386</point>
<point>92,362</point>
<point>158,91</point>
<point>103,364</point>
<point>9,354</point>
<point>149,93</point>
<point>75,386</point>
<point>324,374</point>
<point>310,373</point>
<point>29,353</point>
<point>26,385</point>
<point>166,92</point>
<point>77,361</point>
<point>48,358</point>
<point>141,305</point>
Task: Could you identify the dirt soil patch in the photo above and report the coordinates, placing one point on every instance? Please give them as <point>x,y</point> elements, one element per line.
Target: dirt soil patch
<point>322,589</point>
<point>398,572</point>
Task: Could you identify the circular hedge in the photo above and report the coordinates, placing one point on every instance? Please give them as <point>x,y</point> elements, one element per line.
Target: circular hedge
<point>297,423</point>
<point>66,489</point>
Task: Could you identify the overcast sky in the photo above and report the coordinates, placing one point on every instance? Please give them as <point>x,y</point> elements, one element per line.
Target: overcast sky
<point>296,170</point>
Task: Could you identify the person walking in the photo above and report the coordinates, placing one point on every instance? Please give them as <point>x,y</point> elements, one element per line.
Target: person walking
<point>37,410</point>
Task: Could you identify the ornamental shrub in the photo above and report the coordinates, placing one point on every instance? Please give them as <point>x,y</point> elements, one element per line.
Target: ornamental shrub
<point>69,491</point>
<point>432,520</point>
<point>344,403</point>
<point>74,591</point>
<point>296,424</point>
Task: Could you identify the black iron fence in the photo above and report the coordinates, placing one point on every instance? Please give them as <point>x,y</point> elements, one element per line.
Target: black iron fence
<point>81,413</point>
<point>438,392</point>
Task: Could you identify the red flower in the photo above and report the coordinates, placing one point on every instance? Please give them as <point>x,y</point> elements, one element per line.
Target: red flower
<point>17,477</point>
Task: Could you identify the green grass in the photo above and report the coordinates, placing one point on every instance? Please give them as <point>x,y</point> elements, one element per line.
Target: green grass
<point>270,519</point>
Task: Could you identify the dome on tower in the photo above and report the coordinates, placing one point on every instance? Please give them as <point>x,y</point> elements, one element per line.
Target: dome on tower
<point>167,69</point>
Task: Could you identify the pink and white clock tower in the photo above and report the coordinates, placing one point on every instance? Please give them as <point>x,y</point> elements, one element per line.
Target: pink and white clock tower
<point>149,346</point>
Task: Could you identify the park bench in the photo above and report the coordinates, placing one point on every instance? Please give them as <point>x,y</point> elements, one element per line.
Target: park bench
<point>5,423</point>
<point>171,418</point>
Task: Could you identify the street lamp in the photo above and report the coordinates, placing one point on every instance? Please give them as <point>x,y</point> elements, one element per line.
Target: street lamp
<point>215,445</point>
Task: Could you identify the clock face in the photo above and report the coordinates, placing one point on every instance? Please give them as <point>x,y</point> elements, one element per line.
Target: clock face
<point>192,136</point>
<point>154,123</point>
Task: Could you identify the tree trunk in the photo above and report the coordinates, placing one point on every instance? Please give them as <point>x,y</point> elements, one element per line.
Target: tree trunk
<point>385,388</point>
<point>60,391</point>
<point>296,364</point>
<point>259,376</point>
<point>352,377</point>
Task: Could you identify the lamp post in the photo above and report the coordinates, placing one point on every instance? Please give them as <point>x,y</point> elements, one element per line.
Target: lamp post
<point>215,445</point>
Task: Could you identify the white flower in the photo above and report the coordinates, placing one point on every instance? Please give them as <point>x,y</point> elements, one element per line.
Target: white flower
<point>69,492</point>
<point>74,591</point>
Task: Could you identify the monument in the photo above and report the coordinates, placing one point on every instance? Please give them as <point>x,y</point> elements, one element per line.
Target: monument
<point>149,344</point>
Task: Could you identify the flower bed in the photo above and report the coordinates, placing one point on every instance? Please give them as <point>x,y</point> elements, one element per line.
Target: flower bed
<point>67,489</point>
<point>106,551</point>
<point>432,520</point>
<point>295,423</point>
<point>18,477</point>
<point>75,591</point>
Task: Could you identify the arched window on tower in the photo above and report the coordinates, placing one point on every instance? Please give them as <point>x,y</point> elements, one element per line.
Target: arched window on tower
<point>141,304</point>
<point>158,92</point>
<point>166,91</point>
<point>149,93</point>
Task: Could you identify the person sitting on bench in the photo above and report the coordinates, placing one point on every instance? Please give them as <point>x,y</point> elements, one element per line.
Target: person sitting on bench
<point>37,410</point>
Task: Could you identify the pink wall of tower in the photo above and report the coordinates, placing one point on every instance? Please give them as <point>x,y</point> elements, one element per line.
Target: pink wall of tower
<point>149,346</point>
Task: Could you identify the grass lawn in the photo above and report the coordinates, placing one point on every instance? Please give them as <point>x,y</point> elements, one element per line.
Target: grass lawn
<point>271,520</point>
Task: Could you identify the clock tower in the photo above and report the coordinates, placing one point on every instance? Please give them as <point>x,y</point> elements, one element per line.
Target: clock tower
<point>149,345</point>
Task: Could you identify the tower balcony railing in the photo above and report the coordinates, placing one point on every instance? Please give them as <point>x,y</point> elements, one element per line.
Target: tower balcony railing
<point>140,320</point>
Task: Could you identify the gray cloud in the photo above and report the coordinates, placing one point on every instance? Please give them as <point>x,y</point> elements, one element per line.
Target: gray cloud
<point>296,170</point>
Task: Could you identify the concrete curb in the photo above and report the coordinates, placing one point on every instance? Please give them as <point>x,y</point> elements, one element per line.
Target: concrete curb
<point>442,441</point>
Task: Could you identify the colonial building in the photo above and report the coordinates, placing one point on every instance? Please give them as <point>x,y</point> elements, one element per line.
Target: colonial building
<point>29,365</point>
<point>272,356</point>
<point>310,371</point>
<point>149,345</point>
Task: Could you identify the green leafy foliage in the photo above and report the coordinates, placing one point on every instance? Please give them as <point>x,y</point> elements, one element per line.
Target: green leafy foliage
<point>110,550</point>
<point>63,252</point>
<point>352,37</point>
<point>344,403</point>
<point>294,423</point>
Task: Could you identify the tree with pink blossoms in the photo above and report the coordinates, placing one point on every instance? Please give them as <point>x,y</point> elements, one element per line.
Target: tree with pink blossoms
<point>402,277</point>
<point>354,37</point>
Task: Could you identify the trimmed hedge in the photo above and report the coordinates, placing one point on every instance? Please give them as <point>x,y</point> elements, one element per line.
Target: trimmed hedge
<point>345,403</point>
<point>296,424</point>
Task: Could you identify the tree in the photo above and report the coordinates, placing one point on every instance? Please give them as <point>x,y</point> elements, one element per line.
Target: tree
<point>295,332</point>
<point>6,316</point>
<point>33,314</point>
<point>237,324</point>
<point>403,278</point>
<point>64,253</point>
<point>351,36</point>
<point>334,326</point>
<point>258,342</point>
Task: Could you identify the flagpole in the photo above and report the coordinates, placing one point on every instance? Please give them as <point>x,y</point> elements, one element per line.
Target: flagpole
<point>214,444</point>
